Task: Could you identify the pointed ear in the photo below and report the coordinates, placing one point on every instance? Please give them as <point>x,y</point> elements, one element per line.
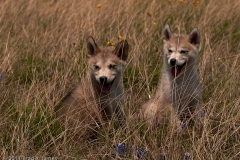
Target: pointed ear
<point>92,47</point>
<point>167,33</point>
<point>121,50</point>
<point>194,37</point>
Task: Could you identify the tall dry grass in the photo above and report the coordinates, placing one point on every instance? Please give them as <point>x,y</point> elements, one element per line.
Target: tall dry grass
<point>43,56</point>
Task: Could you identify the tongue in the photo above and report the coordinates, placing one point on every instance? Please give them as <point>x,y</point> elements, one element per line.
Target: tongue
<point>106,87</point>
<point>175,71</point>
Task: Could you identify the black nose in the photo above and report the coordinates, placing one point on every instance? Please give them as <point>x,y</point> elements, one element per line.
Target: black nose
<point>173,62</point>
<point>103,79</point>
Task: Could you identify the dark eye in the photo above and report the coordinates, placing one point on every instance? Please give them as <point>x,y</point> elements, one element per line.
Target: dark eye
<point>96,67</point>
<point>170,51</point>
<point>183,52</point>
<point>112,66</point>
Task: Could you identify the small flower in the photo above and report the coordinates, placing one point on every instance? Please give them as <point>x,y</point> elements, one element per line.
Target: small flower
<point>196,3</point>
<point>202,113</point>
<point>99,5</point>
<point>121,149</point>
<point>186,156</point>
<point>1,76</point>
<point>199,70</point>
<point>140,153</point>
<point>181,1</point>
<point>120,37</point>
<point>162,157</point>
<point>183,125</point>
<point>110,43</point>
<point>232,127</point>
<point>149,14</point>
<point>154,23</point>
<point>21,91</point>
<point>223,74</point>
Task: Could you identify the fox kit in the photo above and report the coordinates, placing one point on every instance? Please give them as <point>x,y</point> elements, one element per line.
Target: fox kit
<point>179,88</point>
<point>100,93</point>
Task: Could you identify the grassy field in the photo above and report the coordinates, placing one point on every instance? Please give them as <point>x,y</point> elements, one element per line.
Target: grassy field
<point>43,56</point>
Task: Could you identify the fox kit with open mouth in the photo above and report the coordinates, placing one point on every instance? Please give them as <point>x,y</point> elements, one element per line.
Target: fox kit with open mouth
<point>179,87</point>
<point>100,93</point>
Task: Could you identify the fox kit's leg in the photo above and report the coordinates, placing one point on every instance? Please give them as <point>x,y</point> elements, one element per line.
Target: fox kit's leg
<point>118,109</point>
<point>197,110</point>
<point>189,113</point>
<point>109,111</point>
<point>117,101</point>
<point>112,107</point>
<point>120,114</point>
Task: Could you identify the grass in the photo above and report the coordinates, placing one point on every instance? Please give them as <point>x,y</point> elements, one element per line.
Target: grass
<point>43,56</point>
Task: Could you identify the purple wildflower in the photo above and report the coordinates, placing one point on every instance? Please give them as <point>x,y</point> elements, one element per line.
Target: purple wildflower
<point>162,157</point>
<point>202,113</point>
<point>232,127</point>
<point>140,153</point>
<point>1,76</point>
<point>120,148</point>
<point>183,125</point>
<point>199,70</point>
<point>186,156</point>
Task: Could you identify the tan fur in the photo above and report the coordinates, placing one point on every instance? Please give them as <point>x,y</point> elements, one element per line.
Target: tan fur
<point>88,104</point>
<point>181,91</point>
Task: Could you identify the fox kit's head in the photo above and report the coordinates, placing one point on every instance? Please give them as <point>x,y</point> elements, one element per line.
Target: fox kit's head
<point>107,63</point>
<point>180,50</point>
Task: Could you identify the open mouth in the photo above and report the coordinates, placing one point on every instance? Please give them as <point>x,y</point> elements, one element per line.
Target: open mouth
<point>105,87</point>
<point>176,70</point>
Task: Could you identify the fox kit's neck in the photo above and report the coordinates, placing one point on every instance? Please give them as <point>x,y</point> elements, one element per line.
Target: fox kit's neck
<point>189,76</point>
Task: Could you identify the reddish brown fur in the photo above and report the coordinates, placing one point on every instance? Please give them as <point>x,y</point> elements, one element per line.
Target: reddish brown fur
<point>87,107</point>
<point>182,93</point>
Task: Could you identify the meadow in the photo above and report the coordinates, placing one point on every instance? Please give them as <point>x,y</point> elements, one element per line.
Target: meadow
<point>43,56</point>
